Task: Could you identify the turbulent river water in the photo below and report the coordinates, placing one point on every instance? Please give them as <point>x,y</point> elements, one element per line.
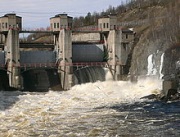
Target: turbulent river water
<point>101,109</point>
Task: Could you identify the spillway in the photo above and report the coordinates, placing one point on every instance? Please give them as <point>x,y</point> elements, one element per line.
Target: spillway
<point>89,74</point>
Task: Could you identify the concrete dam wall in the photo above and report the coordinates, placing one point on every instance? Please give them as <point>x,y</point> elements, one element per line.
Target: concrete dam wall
<point>64,62</point>
<point>88,53</point>
<point>29,57</point>
<point>80,53</point>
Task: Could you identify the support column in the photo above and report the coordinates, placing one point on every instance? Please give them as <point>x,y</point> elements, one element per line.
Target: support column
<point>114,50</point>
<point>13,58</point>
<point>65,69</point>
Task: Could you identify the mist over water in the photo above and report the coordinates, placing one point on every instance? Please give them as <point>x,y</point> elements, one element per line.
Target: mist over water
<point>110,92</point>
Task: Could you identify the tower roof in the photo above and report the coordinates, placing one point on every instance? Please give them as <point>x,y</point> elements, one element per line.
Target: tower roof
<point>10,14</point>
<point>61,15</point>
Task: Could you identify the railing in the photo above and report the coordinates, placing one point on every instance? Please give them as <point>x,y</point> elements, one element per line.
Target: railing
<point>80,29</point>
<point>37,65</point>
<point>84,64</point>
<point>55,65</point>
<point>40,65</point>
<point>97,29</point>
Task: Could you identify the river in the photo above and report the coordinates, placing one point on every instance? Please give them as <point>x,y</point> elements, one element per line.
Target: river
<point>101,109</point>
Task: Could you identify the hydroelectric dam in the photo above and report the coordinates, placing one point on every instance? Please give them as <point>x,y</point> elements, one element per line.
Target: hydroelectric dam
<point>74,57</point>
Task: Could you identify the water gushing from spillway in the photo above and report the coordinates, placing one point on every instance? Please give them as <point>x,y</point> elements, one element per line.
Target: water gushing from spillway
<point>89,74</point>
<point>85,110</point>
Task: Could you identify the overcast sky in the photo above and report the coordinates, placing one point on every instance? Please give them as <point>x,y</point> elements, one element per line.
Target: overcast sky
<point>36,13</point>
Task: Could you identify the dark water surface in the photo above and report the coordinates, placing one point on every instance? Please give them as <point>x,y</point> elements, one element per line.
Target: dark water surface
<point>149,119</point>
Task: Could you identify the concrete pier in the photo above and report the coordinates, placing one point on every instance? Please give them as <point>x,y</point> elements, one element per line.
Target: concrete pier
<point>114,51</point>
<point>65,57</point>
<point>12,58</point>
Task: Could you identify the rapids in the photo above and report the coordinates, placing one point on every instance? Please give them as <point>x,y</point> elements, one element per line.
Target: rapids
<point>94,109</point>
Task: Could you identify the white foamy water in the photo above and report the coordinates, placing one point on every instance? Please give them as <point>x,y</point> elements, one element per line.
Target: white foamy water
<point>69,113</point>
<point>151,66</point>
<point>161,66</point>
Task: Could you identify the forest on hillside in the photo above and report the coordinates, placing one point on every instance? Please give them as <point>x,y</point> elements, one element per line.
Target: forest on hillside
<point>91,18</point>
<point>123,10</point>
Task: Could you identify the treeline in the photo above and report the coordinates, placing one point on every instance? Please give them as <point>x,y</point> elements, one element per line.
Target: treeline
<point>142,5</point>
<point>92,18</point>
